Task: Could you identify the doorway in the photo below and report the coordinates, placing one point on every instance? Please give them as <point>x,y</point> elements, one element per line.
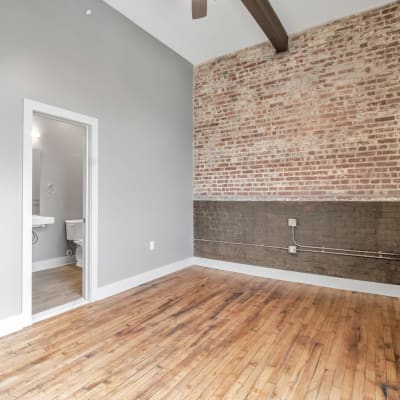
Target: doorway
<point>60,210</point>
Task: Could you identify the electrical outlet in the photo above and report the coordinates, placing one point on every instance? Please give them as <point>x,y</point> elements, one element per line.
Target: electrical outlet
<point>292,250</point>
<point>152,245</point>
<point>292,222</point>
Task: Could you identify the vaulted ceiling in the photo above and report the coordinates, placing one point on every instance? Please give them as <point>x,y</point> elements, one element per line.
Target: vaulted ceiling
<point>228,26</point>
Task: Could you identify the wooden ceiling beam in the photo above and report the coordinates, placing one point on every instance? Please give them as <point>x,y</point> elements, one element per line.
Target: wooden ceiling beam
<point>264,14</point>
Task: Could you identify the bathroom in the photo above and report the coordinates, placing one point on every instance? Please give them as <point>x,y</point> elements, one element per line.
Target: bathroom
<point>58,213</point>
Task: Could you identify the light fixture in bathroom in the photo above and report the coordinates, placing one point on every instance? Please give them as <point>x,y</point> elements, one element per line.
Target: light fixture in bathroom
<point>36,134</point>
<point>88,12</point>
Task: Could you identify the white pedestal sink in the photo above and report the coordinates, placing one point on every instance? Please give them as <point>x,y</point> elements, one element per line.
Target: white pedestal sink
<point>41,221</point>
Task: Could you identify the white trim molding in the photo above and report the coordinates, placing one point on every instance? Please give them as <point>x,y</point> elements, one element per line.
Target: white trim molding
<point>52,263</point>
<point>13,324</point>
<point>32,108</point>
<point>333,282</point>
<point>136,280</point>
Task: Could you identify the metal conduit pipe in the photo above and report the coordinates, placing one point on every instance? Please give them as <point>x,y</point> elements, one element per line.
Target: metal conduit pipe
<point>303,250</point>
<point>347,254</point>
<point>243,244</point>
<point>377,253</point>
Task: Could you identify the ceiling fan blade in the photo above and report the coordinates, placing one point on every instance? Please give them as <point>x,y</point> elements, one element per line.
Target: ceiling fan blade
<point>199,9</point>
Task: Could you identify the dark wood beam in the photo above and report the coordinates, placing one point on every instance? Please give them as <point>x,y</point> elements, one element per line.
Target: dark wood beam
<point>269,22</point>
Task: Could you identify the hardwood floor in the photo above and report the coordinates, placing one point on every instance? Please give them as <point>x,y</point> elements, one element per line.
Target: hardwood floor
<point>56,286</point>
<point>204,334</point>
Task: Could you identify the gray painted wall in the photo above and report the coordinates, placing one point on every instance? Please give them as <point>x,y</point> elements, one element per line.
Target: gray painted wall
<point>141,92</point>
<point>62,149</point>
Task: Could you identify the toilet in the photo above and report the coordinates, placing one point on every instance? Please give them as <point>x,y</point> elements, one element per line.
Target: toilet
<point>75,233</point>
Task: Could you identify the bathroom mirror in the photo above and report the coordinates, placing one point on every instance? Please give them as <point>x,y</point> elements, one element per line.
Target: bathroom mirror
<point>36,161</point>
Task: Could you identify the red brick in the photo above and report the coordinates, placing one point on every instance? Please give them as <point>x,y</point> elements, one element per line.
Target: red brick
<point>320,122</point>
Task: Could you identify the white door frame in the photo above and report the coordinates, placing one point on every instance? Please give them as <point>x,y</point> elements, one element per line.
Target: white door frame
<point>91,227</point>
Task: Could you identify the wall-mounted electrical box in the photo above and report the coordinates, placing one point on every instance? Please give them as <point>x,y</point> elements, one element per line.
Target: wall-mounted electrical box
<point>292,222</point>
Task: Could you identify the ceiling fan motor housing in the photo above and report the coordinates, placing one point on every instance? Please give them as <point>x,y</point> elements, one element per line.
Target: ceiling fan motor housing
<point>199,9</point>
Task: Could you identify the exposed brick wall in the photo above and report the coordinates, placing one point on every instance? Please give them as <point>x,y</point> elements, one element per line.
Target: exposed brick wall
<point>320,122</point>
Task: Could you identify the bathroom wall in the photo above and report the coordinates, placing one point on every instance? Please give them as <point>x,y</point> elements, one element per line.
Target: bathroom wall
<point>62,149</point>
<point>141,92</point>
<point>312,134</point>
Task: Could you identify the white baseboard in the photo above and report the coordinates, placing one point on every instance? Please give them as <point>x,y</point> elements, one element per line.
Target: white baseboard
<point>15,323</point>
<point>129,283</point>
<point>12,324</point>
<point>52,263</point>
<point>383,289</point>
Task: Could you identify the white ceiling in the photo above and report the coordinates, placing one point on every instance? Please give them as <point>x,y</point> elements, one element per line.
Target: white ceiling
<point>229,26</point>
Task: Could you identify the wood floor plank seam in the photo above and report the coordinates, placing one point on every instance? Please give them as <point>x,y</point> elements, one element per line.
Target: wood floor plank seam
<point>201,334</point>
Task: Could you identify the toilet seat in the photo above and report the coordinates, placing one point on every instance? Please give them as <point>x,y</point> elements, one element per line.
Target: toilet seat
<point>75,231</point>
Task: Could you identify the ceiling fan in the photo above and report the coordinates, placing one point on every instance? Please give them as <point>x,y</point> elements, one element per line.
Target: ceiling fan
<point>263,12</point>
<point>199,9</point>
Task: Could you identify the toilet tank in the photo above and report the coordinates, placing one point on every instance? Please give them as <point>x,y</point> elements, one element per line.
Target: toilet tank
<point>74,228</point>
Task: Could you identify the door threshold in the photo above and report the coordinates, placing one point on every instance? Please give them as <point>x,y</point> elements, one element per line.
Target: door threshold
<point>52,312</point>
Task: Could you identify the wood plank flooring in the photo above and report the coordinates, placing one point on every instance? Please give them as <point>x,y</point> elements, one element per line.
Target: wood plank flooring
<point>56,286</point>
<point>204,334</point>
